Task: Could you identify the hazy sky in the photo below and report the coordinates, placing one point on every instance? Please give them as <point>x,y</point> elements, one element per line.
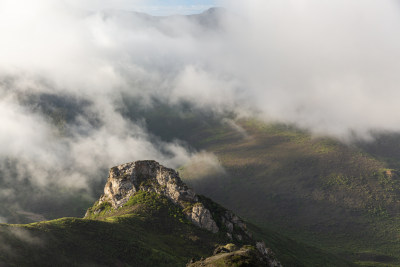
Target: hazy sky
<point>153,7</point>
<point>163,7</point>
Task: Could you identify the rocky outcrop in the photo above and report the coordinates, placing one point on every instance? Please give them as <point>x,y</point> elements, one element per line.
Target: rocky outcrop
<point>125,180</point>
<point>230,255</point>
<point>202,217</point>
<point>267,254</point>
<point>148,175</point>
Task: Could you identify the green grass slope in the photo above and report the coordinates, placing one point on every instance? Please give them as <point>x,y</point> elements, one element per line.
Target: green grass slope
<point>288,252</point>
<point>315,190</point>
<point>340,198</point>
<point>148,231</point>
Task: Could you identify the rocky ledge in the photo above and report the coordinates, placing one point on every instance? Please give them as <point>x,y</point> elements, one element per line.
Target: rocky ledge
<point>149,176</point>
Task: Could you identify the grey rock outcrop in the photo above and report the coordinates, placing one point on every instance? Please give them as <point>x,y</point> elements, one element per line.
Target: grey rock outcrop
<point>148,175</point>
<point>202,217</point>
<point>268,254</point>
<point>230,255</point>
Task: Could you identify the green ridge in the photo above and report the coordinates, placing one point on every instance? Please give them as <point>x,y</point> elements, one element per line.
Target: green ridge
<point>147,231</point>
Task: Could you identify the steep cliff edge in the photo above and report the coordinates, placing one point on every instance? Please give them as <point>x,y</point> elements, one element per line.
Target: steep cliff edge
<point>127,181</point>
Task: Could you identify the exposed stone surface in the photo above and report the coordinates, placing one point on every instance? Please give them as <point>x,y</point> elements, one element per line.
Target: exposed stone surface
<point>230,255</point>
<point>268,254</point>
<point>126,179</point>
<point>202,217</point>
<point>225,249</point>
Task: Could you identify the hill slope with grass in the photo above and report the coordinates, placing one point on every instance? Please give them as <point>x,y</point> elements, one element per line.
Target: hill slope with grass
<point>341,197</point>
<point>146,217</point>
<point>315,190</point>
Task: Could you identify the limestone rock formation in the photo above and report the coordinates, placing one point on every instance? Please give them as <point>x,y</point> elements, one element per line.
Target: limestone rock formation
<point>126,179</point>
<point>148,175</point>
<point>202,217</point>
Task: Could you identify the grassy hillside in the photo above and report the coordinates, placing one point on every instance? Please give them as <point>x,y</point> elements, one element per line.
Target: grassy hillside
<point>340,198</point>
<point>319,191</point>
<point>148,231</point>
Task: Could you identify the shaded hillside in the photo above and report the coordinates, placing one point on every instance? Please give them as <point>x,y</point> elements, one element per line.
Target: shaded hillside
<point>385,147</point>
<point>339,197</point>
<point>342,198</point>
<point>141,237</point>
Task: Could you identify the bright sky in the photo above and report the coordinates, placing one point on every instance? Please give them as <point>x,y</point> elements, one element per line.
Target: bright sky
<point>169,7</point>
<point>153,7</point>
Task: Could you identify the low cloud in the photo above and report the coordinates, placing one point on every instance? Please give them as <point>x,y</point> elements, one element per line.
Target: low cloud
<point>329,67</point>
<point>203,165</point>
<point>25,236</point>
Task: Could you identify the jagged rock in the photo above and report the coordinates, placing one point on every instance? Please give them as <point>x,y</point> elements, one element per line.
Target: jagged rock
<point>225,249</point>
<point>202,217</point>
<point>126,179</point>
<point>148,175</point>
<point>231,219</point>
<point>232,256</point>
<point>268,254</point>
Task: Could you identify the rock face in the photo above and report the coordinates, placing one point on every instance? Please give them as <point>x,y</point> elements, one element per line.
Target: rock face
<point>126,179</point>
<point>202,217</point>
<point>149,176</point>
